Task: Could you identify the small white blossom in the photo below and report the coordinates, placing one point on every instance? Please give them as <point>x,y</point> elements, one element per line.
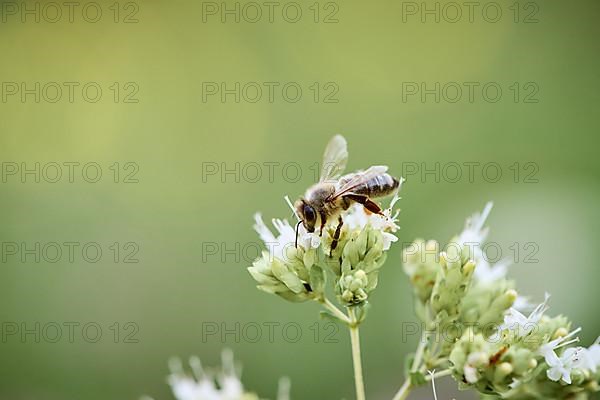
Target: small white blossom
<point>574,357</point>
<point>515,321</point>
<point>593,354</point>
<point>582,358</point>
<point>561,367</point>
<point>357,218</point>
<point>585,360</point>
<point>473,237</point>
<point>470,374</point>
<point>523,304</point>
<point>203,386</point>
<point>559,342</point>
<point>474,360</point>
<point>486,272</point>
<point>474,231</point>
<point>286,237</point>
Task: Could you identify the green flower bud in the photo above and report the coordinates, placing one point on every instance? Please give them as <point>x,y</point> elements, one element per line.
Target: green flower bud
<point>521,359</point>
<point>545,330</point>
<point>484,305</point>
<point>577,376</point>
<point>421,264</point>
<point>593,386</point>
<point>351,287</point>
<point>451,284</point>
<point>361,259</point>
<point>502,371</point>
<point>493,314</point>
<point>470,357</point>
<point>290,280</point>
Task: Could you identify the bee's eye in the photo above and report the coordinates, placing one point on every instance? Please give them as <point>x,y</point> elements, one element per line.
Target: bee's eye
<point>309,213</point>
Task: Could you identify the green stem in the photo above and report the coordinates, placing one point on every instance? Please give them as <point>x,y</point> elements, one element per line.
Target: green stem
<point>355,340</point>
<point>440,374</point>
<point>416,366</point>
<point>407,387</point>
<point>334,310</point>
<point>404,390</point>
<point>419,353</point>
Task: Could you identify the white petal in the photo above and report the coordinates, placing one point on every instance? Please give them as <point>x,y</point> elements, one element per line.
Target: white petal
<point>470,374</point>
<point>550,356</point>
<point>554,374</point>
<point>388,239</point>
<point>566,377</point>
<point>515,383</point>
<point>265,234</point>
<point>473,231</point>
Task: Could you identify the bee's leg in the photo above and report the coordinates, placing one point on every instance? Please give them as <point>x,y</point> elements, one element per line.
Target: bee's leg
<point>336,235</point>
<point>366,202</point>
<point>323,220</point>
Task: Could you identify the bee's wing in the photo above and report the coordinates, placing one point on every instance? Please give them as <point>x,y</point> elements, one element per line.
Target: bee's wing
<point>357,179</point>
<point>334,159</point>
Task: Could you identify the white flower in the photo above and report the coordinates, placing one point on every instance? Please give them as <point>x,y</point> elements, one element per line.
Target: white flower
<point>473,231</point>
<point>574,357</point>
<point>286,237</point>
<point>515,321</point>
<point>356,218</point>
<point>586,360</point>
<point>582,358</point>
<point>474,360</point>
<point>470,374</point>
<point>559,342</point>
<point>487,273</point>
<point>593,354</point>
<point>202,386</point>
<point>473,237</point>
<point>523,304</point>
<point>561,367</point>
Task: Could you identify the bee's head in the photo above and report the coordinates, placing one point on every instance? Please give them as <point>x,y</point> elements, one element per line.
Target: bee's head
<point>307,214</point>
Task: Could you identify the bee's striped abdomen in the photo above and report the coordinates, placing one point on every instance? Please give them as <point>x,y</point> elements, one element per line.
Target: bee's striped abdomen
<point>378,186</point>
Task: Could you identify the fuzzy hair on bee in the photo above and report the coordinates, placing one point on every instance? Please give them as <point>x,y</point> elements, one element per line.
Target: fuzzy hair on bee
<point>327,199</point>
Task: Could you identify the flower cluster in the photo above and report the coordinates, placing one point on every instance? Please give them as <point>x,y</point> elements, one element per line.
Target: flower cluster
<point>204,385</point>
<point>284,269</point>
<point>477,330</point>
<point>298,273</point>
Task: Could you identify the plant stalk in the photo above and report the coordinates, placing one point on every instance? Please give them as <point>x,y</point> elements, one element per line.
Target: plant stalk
<point>334,310</point>
<point>406,386</point>
<point>356,359</point>
<point>404,390</point>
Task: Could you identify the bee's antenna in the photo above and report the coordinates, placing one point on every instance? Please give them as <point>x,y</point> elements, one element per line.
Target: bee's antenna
<point>297,226</point>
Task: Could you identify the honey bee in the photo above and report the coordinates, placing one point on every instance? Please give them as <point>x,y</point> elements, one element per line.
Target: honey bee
<point>333,194</point>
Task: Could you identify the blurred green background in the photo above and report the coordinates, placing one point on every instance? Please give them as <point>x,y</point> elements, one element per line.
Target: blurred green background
<point>171,136</point>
